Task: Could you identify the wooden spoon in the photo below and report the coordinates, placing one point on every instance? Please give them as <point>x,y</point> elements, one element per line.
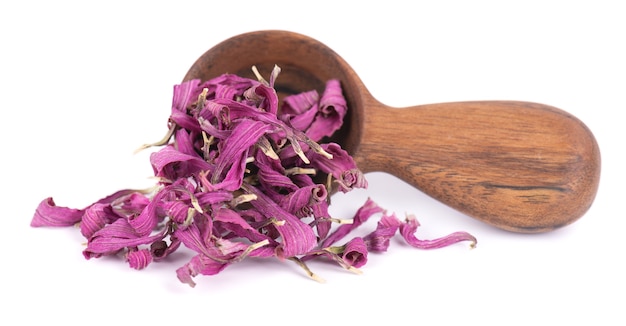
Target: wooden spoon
<point>519,166</point>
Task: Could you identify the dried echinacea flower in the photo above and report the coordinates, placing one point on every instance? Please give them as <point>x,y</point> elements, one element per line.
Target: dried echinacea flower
<point>238,178</point>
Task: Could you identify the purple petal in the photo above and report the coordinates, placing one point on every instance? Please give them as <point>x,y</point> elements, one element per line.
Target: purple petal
<point>362,215</point>
<point>378,240</point>
<point>297,237</point>
<point>132,203</point>
<point>355,252</point>
<point>301,201</point>
<point>171,164</point>
<point>224,253</point>
<point>341,166</point>
<point>49,214</point>
<point>96,217</point>
<point>185,94</point>
<point>115,237</point>
<point>271,174</point>
<point>299,103</point>
<point>147,220</point>
<point>408,229</point>
<point>332,110</point>
<point>232,221</point>
<point>304,120</point>
<point>264,97</point>
<point>197,236</point>
<point>199,264</point>
<point>139,259</point>
<point>245,134</point>
<point>184,142</point>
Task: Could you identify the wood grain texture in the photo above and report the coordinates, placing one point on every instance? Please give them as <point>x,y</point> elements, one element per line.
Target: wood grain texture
<point>519,166</point>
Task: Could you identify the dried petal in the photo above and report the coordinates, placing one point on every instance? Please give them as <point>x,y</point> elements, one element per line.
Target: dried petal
<point>170,164</point>
<point>355,252</point>
<point>408,229</point>
<point>297,104</point>
<point>96,217</point>
<point>49,214</point>
<point>341,166</point>
<point>139,259</point>
<point>378,240</point>
<point>332,110</point>
<point>297,237</point>
<point>232,221</point>
<point>362,215</point>
<point>115,237</point>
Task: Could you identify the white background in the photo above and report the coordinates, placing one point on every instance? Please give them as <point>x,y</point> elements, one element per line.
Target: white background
<point>82,85</point>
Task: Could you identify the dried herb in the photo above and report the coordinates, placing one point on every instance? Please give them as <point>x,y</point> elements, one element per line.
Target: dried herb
<point>236,179</point>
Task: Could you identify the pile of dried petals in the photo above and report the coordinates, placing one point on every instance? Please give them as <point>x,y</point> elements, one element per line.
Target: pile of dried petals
<point>236,180</point>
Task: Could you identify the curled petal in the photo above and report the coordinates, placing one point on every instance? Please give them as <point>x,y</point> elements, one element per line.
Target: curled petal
<point>263,97</point>
<point>114,237</point>
<point>341,166</point>
<point>147,220</point>
<point>245,134</point>
<point>332,110</point>
<point>176,210</point>
<point>233,222</point>
<point>132,203</point>
<point>301,201</point>
<point>362,215</point>
<point>271,174</point>
<point>408,229</point>
<point>299,103</point>
<point>170,164</point>
<point>197,236</point>
<point>378,240</point>
<point>297,237</point>
<point>184,95</point>
<point>199,264</point>
<point>95,218</point>
<point>139,259</point>
<point>49,214</point>
<point>355,252</point>
<point>225,253</point>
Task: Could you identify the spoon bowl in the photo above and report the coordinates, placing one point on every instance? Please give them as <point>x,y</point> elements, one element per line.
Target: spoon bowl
<point>519,166</point>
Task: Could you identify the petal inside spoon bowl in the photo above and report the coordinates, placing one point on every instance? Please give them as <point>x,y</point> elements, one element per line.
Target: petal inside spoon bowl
<point>519,166</point>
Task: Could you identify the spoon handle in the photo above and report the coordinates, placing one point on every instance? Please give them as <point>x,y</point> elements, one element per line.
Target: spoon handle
<point>520,166</point>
